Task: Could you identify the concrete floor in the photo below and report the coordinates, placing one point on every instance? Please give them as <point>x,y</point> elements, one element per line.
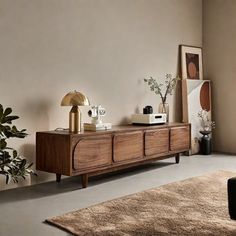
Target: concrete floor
<point>23,210</point>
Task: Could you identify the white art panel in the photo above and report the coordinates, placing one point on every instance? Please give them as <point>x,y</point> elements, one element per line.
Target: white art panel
<point>196,97</point>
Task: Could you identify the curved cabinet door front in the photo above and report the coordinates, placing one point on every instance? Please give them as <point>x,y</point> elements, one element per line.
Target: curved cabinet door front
<point>128,146</point>
<point>90,153</point>
<point>156,142</point>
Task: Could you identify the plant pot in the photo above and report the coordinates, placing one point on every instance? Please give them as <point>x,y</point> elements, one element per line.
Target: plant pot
<point>205,143</point>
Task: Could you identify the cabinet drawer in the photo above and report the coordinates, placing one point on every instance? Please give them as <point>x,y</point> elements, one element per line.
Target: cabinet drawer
<point>179,138</point>
<point>92,152</point>
<point>128,146</point>
<point>156,142</point>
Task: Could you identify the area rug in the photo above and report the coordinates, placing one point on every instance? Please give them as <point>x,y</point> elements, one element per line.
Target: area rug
<point>195,206</point>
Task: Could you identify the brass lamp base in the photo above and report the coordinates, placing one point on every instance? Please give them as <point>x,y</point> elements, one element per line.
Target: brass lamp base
<point>75,120</point>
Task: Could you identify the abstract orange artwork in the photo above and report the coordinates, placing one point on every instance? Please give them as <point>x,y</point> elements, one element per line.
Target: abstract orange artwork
<point>196,96</point>
<point>191,62</point>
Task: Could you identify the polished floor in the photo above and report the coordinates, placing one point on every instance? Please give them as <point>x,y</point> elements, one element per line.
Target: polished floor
<point>23,210</point>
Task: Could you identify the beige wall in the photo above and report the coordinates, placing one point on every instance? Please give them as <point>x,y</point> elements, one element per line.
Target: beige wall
<point>219,46</point>
<point>103,48</point>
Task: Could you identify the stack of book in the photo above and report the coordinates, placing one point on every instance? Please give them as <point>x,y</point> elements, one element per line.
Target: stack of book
<point>95,127</point>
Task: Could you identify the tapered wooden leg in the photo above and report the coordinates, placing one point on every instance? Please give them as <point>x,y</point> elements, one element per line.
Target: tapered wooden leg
<point>58,177</point>
<point>177,158</point>
<point>84,180</point>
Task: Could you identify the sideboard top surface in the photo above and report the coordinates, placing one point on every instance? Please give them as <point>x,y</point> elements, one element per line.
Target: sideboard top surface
<point>116,128</point>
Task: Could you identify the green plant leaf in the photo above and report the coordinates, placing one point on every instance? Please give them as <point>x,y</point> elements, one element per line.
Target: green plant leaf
<point>5,156</point>
<point>7,178</point>
<point>3,144</point>
<point>9,119</point>
<point>14,132</point>
<point>7,111</point>
<point>11,165</point>
<point>14,154</point>
<point>22,164</point>
<point>30,165</point>
<point>1,112</point>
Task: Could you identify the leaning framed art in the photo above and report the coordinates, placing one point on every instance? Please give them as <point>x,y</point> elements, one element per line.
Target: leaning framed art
<point>196,97</point>
<point>191,62</point>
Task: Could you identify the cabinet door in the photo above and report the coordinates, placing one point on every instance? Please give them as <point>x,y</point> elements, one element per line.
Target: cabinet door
<point>156,142</point>
<point>90,153</point>
<point>128,146</point>
<point>179,138</point>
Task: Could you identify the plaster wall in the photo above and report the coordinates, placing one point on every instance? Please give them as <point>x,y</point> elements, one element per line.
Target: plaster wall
<point>103,48</point>
<point>219,37</point>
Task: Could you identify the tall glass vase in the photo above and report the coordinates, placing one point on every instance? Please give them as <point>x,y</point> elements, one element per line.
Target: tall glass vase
<point>164,108</point>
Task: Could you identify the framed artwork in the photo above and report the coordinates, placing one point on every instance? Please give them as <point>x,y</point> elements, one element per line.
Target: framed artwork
<point>196,96</point>
<point>191,62</point>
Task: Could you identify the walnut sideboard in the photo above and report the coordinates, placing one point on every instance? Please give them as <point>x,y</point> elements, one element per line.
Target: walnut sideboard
<point>94,152</point>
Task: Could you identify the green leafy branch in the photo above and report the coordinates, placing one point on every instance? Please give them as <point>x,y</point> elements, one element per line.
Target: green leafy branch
<point>157,88</point>
<point>12,165</point>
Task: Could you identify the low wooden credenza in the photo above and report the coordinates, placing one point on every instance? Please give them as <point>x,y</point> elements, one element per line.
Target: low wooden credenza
<point>95,152</point>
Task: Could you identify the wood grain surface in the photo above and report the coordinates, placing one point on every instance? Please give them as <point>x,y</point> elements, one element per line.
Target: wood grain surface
<point>91,152</point>
<point>179,138</point>
<point>127,146</point>
<point>156,142</point>
<point>53,153</point>
<point>94,152</point>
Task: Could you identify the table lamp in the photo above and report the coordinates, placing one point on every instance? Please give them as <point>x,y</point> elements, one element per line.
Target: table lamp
<point>75,99</point>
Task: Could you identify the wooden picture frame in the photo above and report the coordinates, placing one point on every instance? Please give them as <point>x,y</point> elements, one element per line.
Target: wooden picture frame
<point>191,62</point>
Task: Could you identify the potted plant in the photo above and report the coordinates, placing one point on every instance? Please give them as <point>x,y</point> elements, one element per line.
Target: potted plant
<point>157,88</point>
<point>12,165</point>
<point>207,127</point>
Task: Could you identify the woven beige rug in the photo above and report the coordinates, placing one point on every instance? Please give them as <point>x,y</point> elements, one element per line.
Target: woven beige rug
<point>196,206</point>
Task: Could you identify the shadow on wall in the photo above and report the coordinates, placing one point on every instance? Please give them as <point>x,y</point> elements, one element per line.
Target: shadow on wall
<point>28,151</point>
<point>125,120</point>
<point>33,114</point>
<point>37,112</point>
